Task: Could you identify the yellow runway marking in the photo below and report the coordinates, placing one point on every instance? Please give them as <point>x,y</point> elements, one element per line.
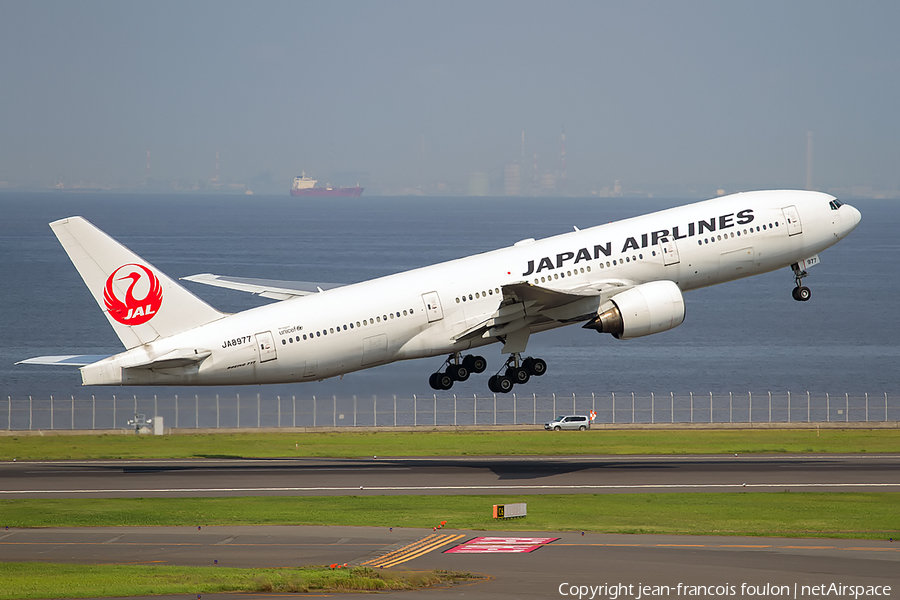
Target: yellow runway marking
<point>425,545</point>
<point>423,551</point>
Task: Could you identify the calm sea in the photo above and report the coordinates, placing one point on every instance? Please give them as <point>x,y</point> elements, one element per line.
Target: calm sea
<point>740,336</point>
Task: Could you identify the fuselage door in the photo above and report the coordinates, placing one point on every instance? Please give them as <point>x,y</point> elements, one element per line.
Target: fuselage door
<point>432,307</point>
<point>375,350</point>
<point>792,218</point>
<point>309,368</point>
<point>669,252</point>
<point>265,344</point>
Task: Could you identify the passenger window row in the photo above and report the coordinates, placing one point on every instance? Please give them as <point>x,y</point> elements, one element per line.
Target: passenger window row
<point>477,295</point>
<point>347,327</point>
<point>608,264</point>
<point>719,238</point>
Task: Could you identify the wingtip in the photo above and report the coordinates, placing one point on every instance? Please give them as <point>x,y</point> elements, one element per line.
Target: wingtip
<point>199,277</point>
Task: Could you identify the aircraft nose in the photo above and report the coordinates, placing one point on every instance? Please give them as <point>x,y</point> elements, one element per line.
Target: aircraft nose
<point>853,217</point>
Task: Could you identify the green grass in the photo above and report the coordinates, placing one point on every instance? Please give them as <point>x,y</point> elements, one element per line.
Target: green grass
<point>448,443</point>
<point>42,580</point>
<point>840,515</point>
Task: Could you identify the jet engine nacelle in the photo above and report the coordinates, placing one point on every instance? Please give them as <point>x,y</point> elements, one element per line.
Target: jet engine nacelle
<point>642,310</point>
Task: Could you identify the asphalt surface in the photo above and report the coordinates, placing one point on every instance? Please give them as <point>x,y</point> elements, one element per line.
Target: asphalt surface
<point>633,561</point>
<point>572,559</point>
<point>455,475</point>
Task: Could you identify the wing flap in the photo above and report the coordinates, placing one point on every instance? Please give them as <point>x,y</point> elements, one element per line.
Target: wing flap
<point>525,305</point>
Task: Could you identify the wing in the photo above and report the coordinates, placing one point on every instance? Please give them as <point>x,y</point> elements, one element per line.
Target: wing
<point>525,307</point>
<point>267,288</point>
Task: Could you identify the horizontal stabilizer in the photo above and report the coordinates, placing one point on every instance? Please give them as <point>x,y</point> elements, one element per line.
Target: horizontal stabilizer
<point>69,360</point>
<point>267,288</point>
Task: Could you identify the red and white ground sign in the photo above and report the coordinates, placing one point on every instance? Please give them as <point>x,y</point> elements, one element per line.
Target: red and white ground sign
<point>499,545</point>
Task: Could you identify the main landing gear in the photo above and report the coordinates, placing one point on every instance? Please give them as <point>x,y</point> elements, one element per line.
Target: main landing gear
<point>800,292</point>
<point>457,370</point>
<point>517,372</point>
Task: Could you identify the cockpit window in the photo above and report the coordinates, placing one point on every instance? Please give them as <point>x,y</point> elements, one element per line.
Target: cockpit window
<point>835,204</point>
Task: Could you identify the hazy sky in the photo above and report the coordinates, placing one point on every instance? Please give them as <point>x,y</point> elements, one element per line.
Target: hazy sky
<point>647,92</point>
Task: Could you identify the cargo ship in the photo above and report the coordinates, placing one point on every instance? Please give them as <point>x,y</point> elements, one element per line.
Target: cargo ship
<point>306,186</point>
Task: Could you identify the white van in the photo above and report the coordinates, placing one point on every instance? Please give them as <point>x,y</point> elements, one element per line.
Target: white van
<point>580,422</point>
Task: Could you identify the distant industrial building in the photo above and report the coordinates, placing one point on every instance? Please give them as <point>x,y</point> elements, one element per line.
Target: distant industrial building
<point>547,183</point>
<point>512,180</point>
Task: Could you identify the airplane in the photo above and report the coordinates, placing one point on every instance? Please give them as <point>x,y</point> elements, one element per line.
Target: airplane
<point>625,278</point>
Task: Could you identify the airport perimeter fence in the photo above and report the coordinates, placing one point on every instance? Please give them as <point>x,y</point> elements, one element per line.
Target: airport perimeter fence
<point>256,411</point>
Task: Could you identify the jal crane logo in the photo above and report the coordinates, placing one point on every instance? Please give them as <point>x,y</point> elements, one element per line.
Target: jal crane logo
<point>130,310</point>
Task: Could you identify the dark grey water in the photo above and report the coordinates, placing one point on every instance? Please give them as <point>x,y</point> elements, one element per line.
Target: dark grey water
<point>748,335</point>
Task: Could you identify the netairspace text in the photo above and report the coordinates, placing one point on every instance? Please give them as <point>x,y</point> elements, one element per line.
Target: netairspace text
<point>615,591</point>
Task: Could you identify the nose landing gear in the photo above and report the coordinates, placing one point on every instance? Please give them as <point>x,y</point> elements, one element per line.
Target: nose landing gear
<point>457,370</point>
<point>801,293</point>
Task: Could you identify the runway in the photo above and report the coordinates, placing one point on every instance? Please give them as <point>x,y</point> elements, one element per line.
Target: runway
<point>550,569</point>
<point>450,475</point>
<point>572,559</point>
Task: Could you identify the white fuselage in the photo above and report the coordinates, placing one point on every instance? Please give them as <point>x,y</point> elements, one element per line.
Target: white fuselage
<point>421,313</point>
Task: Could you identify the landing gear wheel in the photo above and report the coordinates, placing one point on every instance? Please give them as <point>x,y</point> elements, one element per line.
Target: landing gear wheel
<point>518,375</point>
<point>444,381</point>
<point>458,372</point>
<point>500,384</point>
<point>801,293</point>
<point>535,366</point>
<point>433,381</point>
<point>475,364</point>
